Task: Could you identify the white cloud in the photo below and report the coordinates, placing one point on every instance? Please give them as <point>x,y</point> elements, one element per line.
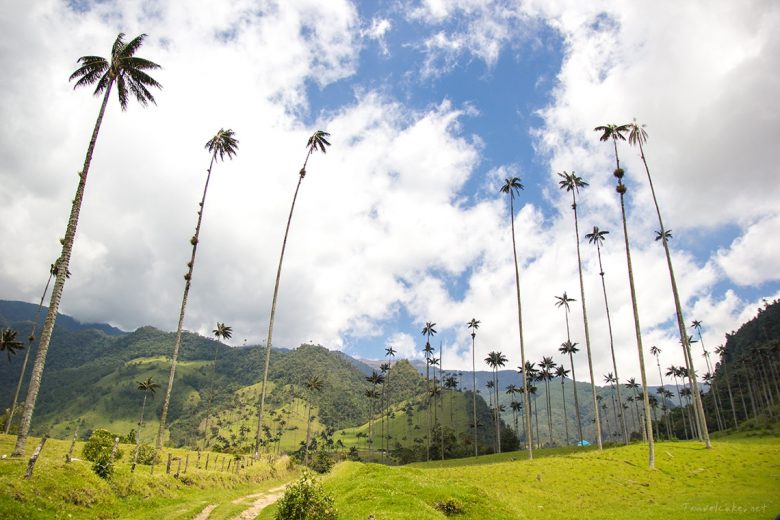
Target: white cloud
<point>752,258</point>
<point>383,225</point>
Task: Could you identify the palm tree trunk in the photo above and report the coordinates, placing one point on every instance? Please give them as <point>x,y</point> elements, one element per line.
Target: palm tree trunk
<point>565,417</point>
<point>138,435</point>
<point>731,397</point>
<point>59,284</point>
<point>638,333</point>
<point>576,399</point>
<point>682,410</point>
<point>698,406</point>
<point>549,409</point>
<point>520,327</point>
<point>611,341</point>
<point>498,410</point>
<point>308,434</point>
<point>180,326</point>
<point>269,339</point>
<point>474,393</point>
<point>585,321</point>
<point>27,355</point>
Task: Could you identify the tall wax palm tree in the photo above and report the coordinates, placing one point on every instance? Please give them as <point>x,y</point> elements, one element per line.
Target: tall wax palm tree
<point>637,136</point>
<point>546,368</point>
<point>389,353</point>
<point>222,332</point>
<point>674,372</point>
<point>30,341</point>
<point>560,371</point>
<point>223,143</point>
<point>632,385</point>
<point>572,183</point>
<point>147,387</point>
<point>494,361</point>
<point>511,187</point>
<point>474,325</point>
<point>696,324</point>
<point>128,72</point>
<point>314,385</point>
<point>597,237</point>
<point>609,378</point>
<point>374,380</point>
<point>721,351</point>
<point>317,141</point>
<point>429,331</point>
<point>569,348</point>
<point>616,132</point>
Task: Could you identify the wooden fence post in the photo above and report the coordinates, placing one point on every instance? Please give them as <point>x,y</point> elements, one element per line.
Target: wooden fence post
<point>68,457</point>
<point>34,458</point>
<point>207,459</point>
<point>113,450</point>
<point>186,462</point>
<point>168,465</point>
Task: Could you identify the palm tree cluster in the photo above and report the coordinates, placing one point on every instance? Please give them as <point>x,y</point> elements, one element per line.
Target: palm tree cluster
<point>128,74</point>
<point>618,419</point>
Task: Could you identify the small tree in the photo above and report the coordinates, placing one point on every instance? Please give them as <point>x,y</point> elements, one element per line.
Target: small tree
<point>306,500</point>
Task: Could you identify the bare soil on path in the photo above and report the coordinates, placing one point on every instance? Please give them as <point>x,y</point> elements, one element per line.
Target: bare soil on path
<point>259,501</point>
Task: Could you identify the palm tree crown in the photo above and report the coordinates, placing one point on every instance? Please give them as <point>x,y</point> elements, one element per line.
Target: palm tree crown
<point>563,301</point>
<point>222,144</point>
<point>597,236</point>
<point>223,331</point>
<point>148,385</point>
<point>614,132</point>
<point>511,186</point>
<point>126,69</point>
<point>9,343</point>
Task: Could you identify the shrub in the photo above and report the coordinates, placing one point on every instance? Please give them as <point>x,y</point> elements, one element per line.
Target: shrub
<point>306,500</point>
<point>148,455</point>
<point>100,443</point>
<point>450,507</point>
<point>103,467</point>
<point>322,462</point>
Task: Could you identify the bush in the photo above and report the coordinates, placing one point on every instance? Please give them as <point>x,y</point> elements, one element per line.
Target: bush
<point>148,455</point>
<point>450,507</point>
<point>306,500</point>
<point>100,443</point>
<point>103,467</point>
<point>322,462</point>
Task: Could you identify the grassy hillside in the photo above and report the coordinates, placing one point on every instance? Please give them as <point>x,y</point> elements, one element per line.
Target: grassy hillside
<point>738,478</point>
<point>72,491</point>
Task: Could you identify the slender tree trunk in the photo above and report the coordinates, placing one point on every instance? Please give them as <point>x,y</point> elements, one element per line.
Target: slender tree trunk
<point>520,327</point>
<point>59,284</point>
<point>576,400</point>
<point>682,409</point>
<point>69,455</point>
<point>308,434</point>
<point>698,407</point>
<point>637,331</point>
<point>731,397</point>
<point>611,341</point>
<point>565,417</point>
<point>138,435</point>
<point>31,340</point>
<point>269,339</point>
<point>585,321</point>
<point>549,409</point>
<point>180,326</point>
<point>474,392</point>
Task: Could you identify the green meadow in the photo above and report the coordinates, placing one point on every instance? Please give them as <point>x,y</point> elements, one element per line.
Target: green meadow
<point>738,478</point>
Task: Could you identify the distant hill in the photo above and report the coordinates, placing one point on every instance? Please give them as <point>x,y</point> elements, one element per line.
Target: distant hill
<point>17,313</point>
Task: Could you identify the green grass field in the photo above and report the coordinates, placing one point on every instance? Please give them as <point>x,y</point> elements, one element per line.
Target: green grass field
<point>72,491</point>
<point>737,479</point>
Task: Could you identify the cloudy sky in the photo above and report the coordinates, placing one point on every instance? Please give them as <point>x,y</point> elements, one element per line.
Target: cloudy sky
<point>430,106</point>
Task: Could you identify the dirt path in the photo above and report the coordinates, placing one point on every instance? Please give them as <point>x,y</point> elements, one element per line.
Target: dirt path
<point>261,500</point>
